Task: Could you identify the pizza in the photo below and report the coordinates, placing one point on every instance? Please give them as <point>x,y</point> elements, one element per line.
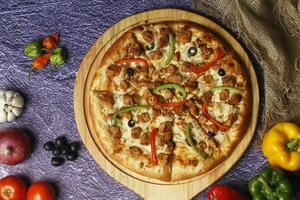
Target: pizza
<point>170,100</point>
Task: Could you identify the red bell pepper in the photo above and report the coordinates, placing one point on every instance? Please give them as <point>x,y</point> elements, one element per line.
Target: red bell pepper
<point>129,60</point>
<point>210,118</point>
<point>160,104</point>
<point>207,66</point>
<point>153,148</point>
<point>223,192</point>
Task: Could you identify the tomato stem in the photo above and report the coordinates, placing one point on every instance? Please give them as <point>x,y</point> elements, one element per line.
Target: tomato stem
<point>30,72</point>
<point>7,192</point>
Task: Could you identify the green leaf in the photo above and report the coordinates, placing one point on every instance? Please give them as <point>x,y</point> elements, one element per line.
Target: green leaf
<point>59,56</point>
<point>33,49</point>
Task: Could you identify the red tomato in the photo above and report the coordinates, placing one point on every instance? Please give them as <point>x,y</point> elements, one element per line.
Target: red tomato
<point>12,188</point>
<point>41,191</point>
<point>49,42</point>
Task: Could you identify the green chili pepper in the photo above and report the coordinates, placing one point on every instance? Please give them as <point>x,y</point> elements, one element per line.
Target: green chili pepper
<point>58,56</point>
<point>181,91</point>
<point>226,88</point>
<point>116,121</point>
<point>190,140</point>
<point>171,49</point>
<point>270,184</point>
<point>33,49</point>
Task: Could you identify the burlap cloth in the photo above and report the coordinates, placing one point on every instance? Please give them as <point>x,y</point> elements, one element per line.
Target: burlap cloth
<point>270,29</point>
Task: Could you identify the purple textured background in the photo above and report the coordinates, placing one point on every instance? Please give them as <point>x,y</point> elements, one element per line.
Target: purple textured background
<point>49,95</point>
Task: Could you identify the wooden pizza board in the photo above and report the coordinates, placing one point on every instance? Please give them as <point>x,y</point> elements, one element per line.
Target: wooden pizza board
<point>146,187</point>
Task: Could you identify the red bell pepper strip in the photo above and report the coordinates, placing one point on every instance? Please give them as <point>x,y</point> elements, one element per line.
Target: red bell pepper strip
<point>210,118</point>
<point>223,192</point>
<point>153,148</point>
<point>207,66</point>
<point>129,60</point>
<point>160,104</point>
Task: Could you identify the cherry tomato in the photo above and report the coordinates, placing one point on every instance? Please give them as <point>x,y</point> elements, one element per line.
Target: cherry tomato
<point>56,36</point>
<point>49,42</point>
<point>40,62</point>
<point>41,191</point>
<point>12,188</point>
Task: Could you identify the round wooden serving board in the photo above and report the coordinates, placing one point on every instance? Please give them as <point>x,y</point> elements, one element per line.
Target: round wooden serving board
<point>146,187</point>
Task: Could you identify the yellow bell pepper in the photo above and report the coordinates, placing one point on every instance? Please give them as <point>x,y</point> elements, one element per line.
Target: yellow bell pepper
<point>281,145</point>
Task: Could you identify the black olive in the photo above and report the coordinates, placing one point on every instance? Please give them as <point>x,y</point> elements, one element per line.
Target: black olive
<point>57,152</point>
<point>61,142</point>
<point>131,123</point>
<point>57,161</point>
<point>192,51</point>
<point>150,46</point>
<point>211,134</point>
<point>74,146</point>
<point>130,71</point>
<point>65,150</point>
<point>72,155</point>
<point>221,72</point>
<point>49,146</point>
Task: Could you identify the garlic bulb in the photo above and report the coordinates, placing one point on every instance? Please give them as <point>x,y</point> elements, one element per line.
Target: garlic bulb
<point>11,105</point>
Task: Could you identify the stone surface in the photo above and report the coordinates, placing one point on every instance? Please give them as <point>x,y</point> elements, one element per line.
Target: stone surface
<point>49,94</point>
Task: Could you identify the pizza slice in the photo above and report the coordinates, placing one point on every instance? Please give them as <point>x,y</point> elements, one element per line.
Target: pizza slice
<point>160,42</point>
<point>141,146</point>
<point>121,113</point>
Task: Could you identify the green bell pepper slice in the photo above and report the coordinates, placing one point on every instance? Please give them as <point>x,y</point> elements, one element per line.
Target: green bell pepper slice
<point>270,184</point>
<point>116,121</point>
<point>171,49</point>
<point>190,140</point>
<point>181,91</point>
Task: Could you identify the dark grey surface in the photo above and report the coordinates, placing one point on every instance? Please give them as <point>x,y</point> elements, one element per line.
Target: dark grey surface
<point>49,96</point>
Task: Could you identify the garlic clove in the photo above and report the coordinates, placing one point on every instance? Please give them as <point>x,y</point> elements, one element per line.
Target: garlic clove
<point>17,101</point>
<point>10,116</point>
<point>11,105</point>
<point>2,106</point>
<point>3,116</point>
<point>17,111</point>
<point>9,96</point>
<point>2,98</point>
<point>2,92</point>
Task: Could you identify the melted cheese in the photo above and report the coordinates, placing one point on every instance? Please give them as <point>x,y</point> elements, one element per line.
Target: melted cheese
<point>126,130</point>
<point>220,111</point>
<point>217,78</point>
<point>118,98</point>
<point>197,59</point>
<point>179,129</point>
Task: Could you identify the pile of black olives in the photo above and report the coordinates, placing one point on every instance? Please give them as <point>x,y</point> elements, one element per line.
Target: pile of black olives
<point>59,148</point>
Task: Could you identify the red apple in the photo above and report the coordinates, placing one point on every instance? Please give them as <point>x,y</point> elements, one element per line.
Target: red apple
<point>15,146</point>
